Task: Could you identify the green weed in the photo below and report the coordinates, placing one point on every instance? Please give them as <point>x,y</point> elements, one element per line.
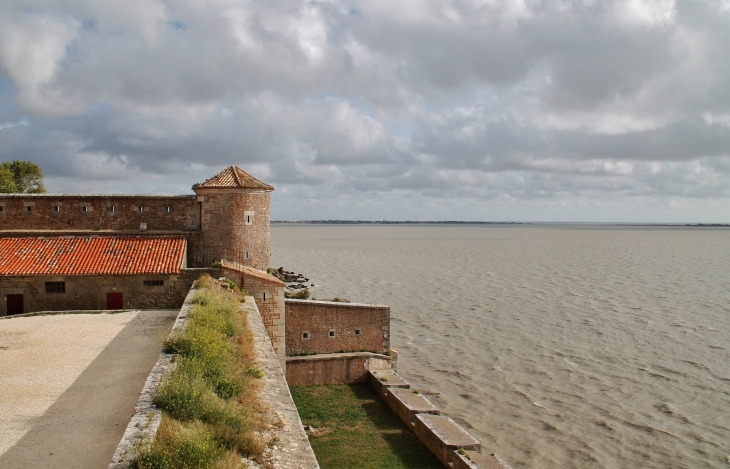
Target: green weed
<point>205,426</point>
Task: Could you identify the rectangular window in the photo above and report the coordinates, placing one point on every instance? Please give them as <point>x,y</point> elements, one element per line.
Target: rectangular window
<point>56,208</point>
<point>168,209</point>
<point>84,208</point>
<point>2,208</point>
<point>141,209</point>
<point>111,209</point>
<point>55,287</point>
<point>154,283</point>
<point>28,208</point>
<point>248,217</point>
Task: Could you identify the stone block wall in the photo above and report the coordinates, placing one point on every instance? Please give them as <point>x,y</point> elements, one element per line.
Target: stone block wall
<point>89,292</point>
<point>93,212</point>
<point>314,327</point>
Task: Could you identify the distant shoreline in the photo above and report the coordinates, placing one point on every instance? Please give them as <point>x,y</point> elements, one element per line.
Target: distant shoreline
<point>453,222</point>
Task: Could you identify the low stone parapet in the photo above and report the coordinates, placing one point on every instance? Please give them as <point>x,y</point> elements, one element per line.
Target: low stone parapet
<point>475,460</point>
<point>443,436</point>
<point>334,368</point>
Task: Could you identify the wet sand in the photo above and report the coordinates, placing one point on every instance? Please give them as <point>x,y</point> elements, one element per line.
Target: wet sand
<point>70,383</point>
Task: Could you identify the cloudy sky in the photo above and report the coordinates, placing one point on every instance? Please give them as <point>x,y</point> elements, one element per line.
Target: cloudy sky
<point>572,110</point>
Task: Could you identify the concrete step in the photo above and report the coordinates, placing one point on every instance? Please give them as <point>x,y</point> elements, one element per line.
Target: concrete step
<point>475,460</point>
<point>381,380</point>
<point>443,436</point>
<point>407,404</point>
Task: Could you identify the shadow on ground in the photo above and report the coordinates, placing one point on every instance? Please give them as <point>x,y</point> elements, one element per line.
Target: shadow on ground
<point>83,426</point>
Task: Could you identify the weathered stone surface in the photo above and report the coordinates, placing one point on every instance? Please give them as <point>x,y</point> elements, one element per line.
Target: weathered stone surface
<point>292,449</point>
<point>475,460</point>
<point>443,436</point>
<point>334,368</point>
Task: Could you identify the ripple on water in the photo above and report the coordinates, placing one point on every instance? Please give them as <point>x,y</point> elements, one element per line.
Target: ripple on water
<point>566,347</point>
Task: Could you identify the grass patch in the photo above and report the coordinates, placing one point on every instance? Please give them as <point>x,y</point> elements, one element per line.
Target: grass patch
<point>300,295</point>
<point>208,402</point>
<point>355,429</point>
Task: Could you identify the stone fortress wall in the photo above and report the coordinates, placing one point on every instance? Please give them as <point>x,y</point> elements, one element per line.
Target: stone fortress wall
<point>93,212</point>
<point>315,327</point>
<point>217,222</point>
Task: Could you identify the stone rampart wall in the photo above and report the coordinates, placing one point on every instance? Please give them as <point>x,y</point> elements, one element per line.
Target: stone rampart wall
<point>94,212</point>
<point>317,327</point>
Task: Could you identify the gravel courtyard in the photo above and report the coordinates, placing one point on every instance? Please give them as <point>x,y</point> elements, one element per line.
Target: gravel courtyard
<point>69,384</point>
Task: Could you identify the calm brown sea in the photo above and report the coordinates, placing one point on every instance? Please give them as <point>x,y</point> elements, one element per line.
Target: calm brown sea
<point>556,346</point>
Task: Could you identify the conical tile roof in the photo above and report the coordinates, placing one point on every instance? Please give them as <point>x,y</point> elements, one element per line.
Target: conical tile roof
<point>233,177</point>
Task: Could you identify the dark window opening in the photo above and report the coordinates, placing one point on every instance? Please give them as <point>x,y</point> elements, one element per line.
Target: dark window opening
<point>168,209</point>
<point>264,296</point>
<point>248,218</point>
<point>332,332</point>
<point>2,208</point>
<point>56,208</point>
<point>28,208</point>
<point>84,209</point>
<point>154,283</point>
<point>141,209</point>
<point>55,287</point>
<point>357,333</point>
<point>305,335</point>
<point>111,209</point>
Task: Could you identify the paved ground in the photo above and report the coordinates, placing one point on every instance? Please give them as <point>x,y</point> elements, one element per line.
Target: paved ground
<point>69,383</point>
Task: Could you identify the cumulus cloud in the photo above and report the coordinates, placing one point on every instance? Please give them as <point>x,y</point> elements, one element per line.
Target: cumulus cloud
<point>478,109</point>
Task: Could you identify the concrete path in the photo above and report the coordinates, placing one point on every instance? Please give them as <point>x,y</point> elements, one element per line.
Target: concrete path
<point>69,384</point>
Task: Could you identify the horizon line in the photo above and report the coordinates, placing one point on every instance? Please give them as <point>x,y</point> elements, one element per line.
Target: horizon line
<point>462,222</point>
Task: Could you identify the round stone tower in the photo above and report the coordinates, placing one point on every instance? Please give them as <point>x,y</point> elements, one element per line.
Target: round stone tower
<point>234,217</point>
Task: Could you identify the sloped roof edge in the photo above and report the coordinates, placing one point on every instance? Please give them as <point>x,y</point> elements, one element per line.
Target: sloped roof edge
<point>233,177</point>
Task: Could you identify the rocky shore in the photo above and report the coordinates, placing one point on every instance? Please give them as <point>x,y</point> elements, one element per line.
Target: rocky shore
<point>293,280</point>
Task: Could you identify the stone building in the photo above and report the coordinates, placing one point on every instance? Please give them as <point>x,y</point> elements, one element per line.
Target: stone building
<point>46,238</point>
<point>92,273</point>
<point>228,216</point>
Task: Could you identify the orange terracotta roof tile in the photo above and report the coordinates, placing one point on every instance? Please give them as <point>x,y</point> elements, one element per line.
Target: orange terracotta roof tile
<point>233,177</point>
<point>103,255</point>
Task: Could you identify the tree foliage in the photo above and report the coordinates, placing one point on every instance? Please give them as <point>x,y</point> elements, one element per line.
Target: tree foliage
<point>21,176</point>
<point>7,183</point>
